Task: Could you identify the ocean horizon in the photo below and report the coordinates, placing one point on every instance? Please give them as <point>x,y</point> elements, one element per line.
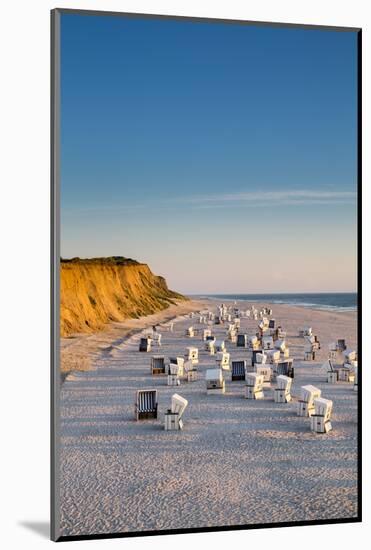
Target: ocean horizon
<point>338,301</point>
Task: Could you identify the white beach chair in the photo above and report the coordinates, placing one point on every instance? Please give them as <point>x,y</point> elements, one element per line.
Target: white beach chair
<point>345,373</point>
<point>260,358</point>
<point>254,343</point>
<point>222,359</point>
<point>190,332</point>
<point>215,383</point>
<point>282,393</point>
<point>266,372</point>
<point>267,342</point>
<point>172,377</point>
<point>280,345</point>
<point>332,373</point>
<point>273,356</point>
<point>176,366</point>
<point>220,345</point>
<point>210,347</point>
<point>173,416</point>
<point>349,356</point>
<point>156,337</point>
<point>309,353</point>
<point>254,386</point>
<point>232,336</point>
<point>320,420</point>
<point>306,402</point>
<point>191,354</point>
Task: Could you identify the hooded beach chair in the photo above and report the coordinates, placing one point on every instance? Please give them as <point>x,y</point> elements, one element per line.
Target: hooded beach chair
<point>285,368</point>
<point>280,345</point>
<point>266,372</point>
<point>306,402</point>
<point>238,370</point>
<point>156,338</point>
<point>282,393</point>
<point>267,342</point>
<point>254,386</point>
<point>215,383</point>
<point>173,416</point>
<point>145,344</point>
<point>273,356</point>
<point>219,345</point>
<point>158,365</point>
<point>190,332</point>
<point>241,341</point>
<point>320,420</point>
<point>210,346</point>
<point>332,372</point>
<point>191,354</point>
<point>146,404</point>
<point>254,343</point>
<point>222,358</point>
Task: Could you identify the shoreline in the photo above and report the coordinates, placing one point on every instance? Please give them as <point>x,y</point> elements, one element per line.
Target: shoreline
<point>270,303</point>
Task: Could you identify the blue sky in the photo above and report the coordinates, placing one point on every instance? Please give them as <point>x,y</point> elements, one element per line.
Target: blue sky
<point>222,155</point>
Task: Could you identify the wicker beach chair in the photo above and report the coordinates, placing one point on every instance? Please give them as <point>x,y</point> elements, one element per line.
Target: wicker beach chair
<point>146,404</point>
<point>320,420</point>
<point>173,416</point>
<point>145,344</point>
<point>158,365</point>
<point>238,370</point>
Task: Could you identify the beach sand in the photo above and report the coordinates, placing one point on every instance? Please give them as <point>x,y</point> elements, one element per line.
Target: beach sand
<point>79,352</point>
<point>237,462</point>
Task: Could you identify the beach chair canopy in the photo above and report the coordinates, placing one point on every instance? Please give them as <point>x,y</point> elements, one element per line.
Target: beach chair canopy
<point>214,374</point>
<point>308,393</point>
<point>284,382</point>
<point>322,407</point>
<point>178,404</point>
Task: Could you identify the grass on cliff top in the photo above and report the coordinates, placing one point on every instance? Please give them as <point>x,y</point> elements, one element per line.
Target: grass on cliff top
<point>110,260</point>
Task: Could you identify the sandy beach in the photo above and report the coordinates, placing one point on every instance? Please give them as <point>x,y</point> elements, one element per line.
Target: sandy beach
<point>237,462</point>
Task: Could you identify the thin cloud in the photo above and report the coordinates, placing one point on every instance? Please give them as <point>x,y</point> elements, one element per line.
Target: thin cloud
<point>275,196</point>
<point>256,199</point>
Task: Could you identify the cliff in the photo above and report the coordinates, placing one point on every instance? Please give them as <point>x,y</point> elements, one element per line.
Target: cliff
<point>99,290</point>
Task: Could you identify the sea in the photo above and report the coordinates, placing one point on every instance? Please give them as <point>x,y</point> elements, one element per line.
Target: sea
<point>332,301</point>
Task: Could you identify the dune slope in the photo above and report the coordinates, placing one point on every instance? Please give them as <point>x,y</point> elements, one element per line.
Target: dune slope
<point>95,292</point>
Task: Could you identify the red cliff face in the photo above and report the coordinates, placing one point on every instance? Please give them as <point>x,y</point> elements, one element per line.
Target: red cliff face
<point>95,292</point>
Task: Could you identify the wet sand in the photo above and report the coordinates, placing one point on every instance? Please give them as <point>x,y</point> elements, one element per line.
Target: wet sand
<point>236,461</point>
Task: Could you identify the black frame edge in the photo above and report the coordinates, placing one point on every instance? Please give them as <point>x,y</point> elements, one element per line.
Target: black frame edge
<point>202,19</point>
<point>359,262</point>
<point>54,272</point>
